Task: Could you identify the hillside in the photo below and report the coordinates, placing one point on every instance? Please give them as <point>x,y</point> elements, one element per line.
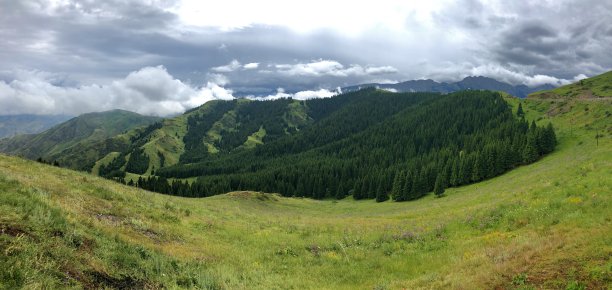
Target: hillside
<point>595,87</point>
<point>546,225</point>
<point>368,144</point>
<point>468,83</point>
<point>12,125</point>
<point>76,132</point>
<point>220,128</point>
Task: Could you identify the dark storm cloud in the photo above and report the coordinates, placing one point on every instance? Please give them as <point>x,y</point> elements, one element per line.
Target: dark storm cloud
<point>96,43</point>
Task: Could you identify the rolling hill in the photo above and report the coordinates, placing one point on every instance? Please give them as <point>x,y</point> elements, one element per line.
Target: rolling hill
<point>596,87</point>
<point>468,83</point>
<point>76,132</point>
<point>544,225</point>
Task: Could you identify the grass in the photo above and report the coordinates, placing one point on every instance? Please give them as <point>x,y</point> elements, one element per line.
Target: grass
<point>596,87</point>
<point>545,225</point>
<point>255,139</point>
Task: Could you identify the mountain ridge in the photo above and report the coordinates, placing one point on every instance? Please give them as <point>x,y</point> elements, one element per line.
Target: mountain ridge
<point>468,83</point>
<point>13,125</point>
<point>77,131</point>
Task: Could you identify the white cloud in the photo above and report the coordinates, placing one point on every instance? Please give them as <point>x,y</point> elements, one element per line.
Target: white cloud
<point>235,65</point>
<point>331,68</point>
<point>252,65</point>
<point>218,79</point>
<point>319,94</point>
<point>388,89</point>
<point>301,95</point>
<point>230,67</point>
<point>300,15</point>
<point>150,90</point>
<point>513,77</point>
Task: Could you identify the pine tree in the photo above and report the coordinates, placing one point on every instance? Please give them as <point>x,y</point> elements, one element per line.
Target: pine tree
<point>519,111</point>
<point>530,151</point>
<point>396,190</point>
<point>381,194</point>
<point>549,139</point>
<point>340,194</point>
<point>439,187</point>
<point>407,189</point>
<point>454,176</point>
<point>477,168</point>
<point>357,191</point>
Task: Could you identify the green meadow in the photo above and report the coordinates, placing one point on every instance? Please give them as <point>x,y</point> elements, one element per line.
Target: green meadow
<point>547,225</point>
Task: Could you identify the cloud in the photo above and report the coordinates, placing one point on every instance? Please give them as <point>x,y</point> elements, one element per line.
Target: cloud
<point>388,89</point>
<point>331,68</point>
<point>252,65</point>
<point>513,77</point>
<point>150,91</point>
<point>98,42</point>
<point>301,95</point>
<point>235,65</point>
<point>230,67</point>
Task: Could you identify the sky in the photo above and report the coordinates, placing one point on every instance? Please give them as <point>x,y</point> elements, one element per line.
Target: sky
<point>162,57</point>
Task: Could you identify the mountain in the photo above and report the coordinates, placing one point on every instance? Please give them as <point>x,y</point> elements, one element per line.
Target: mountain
<point>468,83</point>
<point>76,132</point>
<point>12,125</point>
<point>545,225</point>
<point>369,143</point>
<point>599,86</point>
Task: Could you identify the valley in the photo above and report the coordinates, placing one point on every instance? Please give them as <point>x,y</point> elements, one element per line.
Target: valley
<point>543,225</point>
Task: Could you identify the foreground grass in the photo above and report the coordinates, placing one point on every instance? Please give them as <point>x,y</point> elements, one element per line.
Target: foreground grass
<point>546,225</point>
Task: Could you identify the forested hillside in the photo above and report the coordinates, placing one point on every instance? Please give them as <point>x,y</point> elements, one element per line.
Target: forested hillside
<point>446,141</point>
<point>370,144</point>
<point>231,128</point>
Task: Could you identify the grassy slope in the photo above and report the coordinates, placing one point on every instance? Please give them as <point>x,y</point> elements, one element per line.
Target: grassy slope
<point>546,225</point>
<point>596,87</point>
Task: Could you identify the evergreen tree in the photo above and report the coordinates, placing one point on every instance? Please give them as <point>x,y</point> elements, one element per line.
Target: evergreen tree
<point>381,194</point>
<point>396,190</point>
<point>407,189</point>
<point>357,191</point>
<point>341,193</point>
<point>439,187</point>
<point>530,153</point>
<point>519,111</point>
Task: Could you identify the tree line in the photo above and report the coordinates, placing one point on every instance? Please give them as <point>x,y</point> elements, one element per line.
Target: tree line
<point>402,148</point>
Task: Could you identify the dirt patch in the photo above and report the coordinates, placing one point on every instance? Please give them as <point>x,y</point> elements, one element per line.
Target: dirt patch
<point>253,194</point>
<point>546,95</point>
<point>156,237</point>
<point>88,245</point>
<point>101,280</point>
<point>558,108</point>
<point>12,230</point>
<point>109,219</point>
<point>556,274</point>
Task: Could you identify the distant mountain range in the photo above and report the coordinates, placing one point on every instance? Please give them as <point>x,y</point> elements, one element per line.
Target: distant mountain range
<point>468,83</point>
<point>12,125</point>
